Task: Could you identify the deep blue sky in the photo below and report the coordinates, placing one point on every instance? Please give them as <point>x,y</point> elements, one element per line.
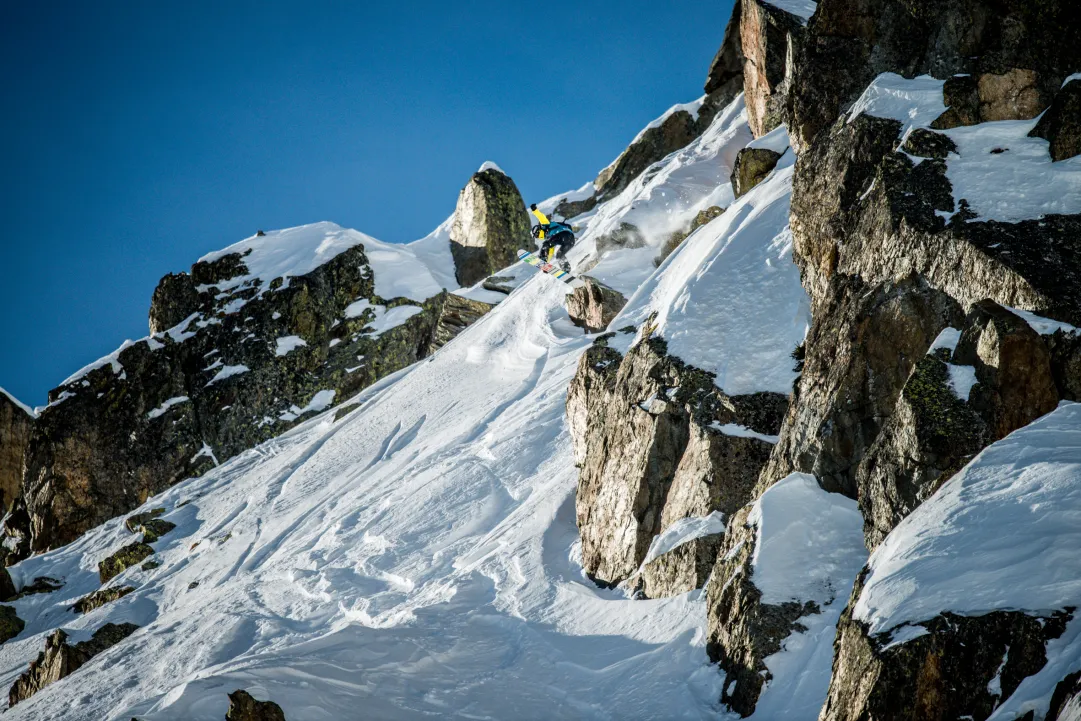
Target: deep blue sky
<point>137,136</point>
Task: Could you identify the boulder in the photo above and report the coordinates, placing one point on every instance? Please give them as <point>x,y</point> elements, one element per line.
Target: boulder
<point>123,559</point>
<point>1061,124</point>
<point>457,314</point>
<point>243,707</point>
<point>490,225</point>
<point>751,168</point>
<point>99,598</point>
<point>1015,94</point>
<point>593,305</point>
<point>15,426</point>
<point>59,659</point>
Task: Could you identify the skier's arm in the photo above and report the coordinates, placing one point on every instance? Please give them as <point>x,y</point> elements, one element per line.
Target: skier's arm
<point>539,215</point>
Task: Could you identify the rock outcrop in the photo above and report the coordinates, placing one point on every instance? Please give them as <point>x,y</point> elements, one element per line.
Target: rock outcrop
<point>10,624</point>
<point>1061,124</point>
<point>490,225</point>
<point>60,659</point>
<point>243,707</point>
<point>650,442</point>
<point>97,599</point>
<point>457,314</point>
<point>947,671</point>
<point>766,34</point>
<point>236,359</point>
<point>593,305</point>
<point>15,426</point>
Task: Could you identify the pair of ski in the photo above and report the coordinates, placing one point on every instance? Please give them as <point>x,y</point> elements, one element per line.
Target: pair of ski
<point>549,268</point>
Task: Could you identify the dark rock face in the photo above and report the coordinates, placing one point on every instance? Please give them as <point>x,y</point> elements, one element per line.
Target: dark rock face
<point>648,456</point>
<point>594,305</point>
<point>766,33</point>
<point>1005,41</point>
<point>130,555</point>
<point>944,674</point>
<point>751,168</point>
<point>97,599</point>
<point>1065,699</point>
<point>490,225</point>
<point>726,70</point>
<point>59,659</point>
<point>160,413</point>
<point>684,568</point>
<point>1061,124</point>
<point>1015,94</point>
<point>675,132</point>
<point>456,315</point>
<point>242,707</point>
<point>10,624</point>
<point>743,631</point>
<point>15,427</point>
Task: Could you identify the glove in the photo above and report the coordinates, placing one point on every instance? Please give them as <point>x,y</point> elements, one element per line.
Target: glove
<point>533,207</point>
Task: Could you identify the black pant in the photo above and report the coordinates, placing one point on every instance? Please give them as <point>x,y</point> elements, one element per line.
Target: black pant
<point>562,241</point>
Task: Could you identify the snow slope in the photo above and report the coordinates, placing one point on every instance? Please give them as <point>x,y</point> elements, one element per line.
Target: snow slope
<point>414,559</point>
<point>1000,535</point>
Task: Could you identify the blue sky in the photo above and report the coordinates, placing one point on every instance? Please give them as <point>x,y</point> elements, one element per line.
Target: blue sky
<point>137,136</point>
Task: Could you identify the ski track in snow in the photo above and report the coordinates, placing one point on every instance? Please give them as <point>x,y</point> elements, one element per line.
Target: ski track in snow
<point>413,559</point>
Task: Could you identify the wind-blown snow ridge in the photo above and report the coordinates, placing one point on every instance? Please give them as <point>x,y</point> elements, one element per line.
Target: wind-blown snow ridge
<point>1000,535</point>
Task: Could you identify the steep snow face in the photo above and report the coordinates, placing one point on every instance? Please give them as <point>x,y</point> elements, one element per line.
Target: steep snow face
<point>663,199</point>
<point>299,251</point>
<point>729,300</point>
<point>413,559</point>
<point>1000,535</point>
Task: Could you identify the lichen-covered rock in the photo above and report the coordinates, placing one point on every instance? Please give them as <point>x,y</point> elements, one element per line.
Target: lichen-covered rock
<point>59,659</point>
<point>860,351</point>
<point>15,426</point>
<point>174,405</point>
<point>931,434</point>
<point>10,624</point>
<point>155,528</point>
<point>632,420</point>
<point>490,225</point>
<point>765,34</point>
<point>456,315</point>
<point>946,673</point>
<point>1061,124</point>
<point>134,523</point>
<point>243,707</point>
<point>128,556</point>
<point>593,305</point>
<point>751,168</point>
<point>99,598</point>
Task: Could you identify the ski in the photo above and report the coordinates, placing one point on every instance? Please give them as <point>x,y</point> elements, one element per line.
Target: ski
<point>549,268</point>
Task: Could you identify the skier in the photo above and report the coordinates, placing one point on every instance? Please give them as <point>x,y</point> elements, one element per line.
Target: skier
<point>557,238</point>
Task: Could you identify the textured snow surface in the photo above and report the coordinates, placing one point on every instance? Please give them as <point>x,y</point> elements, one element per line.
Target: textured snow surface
<point>1002,534</point>
<point>299,251</point>
<point>683,531</point>
<point>729,299</point>
<point>412,560</point>
<point>1016,182</point>
<point>29,411</point>
<point>809,545</point>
